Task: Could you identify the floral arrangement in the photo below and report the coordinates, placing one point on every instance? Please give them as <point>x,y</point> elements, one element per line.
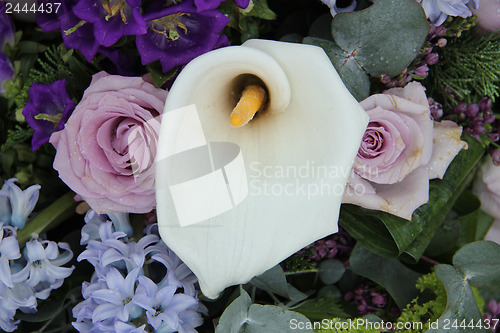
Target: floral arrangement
<point>392,101</point>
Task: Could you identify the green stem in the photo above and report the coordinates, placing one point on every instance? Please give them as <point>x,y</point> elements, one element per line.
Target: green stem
<point>50,217</point>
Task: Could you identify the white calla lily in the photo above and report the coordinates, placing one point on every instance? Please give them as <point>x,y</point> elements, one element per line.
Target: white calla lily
<point>233,202</point>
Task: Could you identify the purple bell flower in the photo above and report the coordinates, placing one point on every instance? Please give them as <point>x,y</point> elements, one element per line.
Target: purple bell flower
<point>111,19</point>
<point>6,70</point>
<point>179,33</point>
<point>213,4</point>
<point>47,111</point>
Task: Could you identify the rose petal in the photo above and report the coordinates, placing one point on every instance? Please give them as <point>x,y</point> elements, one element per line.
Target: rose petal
<point>447,145</point>
<point>395,198</point>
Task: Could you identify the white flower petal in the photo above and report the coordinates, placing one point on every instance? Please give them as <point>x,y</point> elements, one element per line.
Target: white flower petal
<point>312,118</point>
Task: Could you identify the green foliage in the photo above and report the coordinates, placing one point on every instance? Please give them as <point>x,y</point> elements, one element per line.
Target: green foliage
<point>299,262</point>
<point>243,316</point>
<point>246,23</point>
<point>326,306</point>
<point>390,273</point>
<point>469,66</point>
<point>18,135</point>
<point>428,311</point>
<point>384,38</point>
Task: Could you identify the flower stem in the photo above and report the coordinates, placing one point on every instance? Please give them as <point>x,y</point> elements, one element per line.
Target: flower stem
<point>57,212</point>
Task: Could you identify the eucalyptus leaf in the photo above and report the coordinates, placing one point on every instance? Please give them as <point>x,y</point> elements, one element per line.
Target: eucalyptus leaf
<point>390,273</point>
<point>270,318</point>
<point>273,280</point>
<point>384,38</point>
<point>242,316</point>
<point>350,71</point>
<point>235,315</point>
<point>479,262</point>
<point>330,271</point>
<point>461,305</point>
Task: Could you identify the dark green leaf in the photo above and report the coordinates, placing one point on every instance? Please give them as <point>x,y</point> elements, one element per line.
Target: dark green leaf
<point>390,273</point>
<point>274,281</point>
<point>261,10</point>
<point>350,71</point>
<point>159,78</point>
<point>461,304</point>
<point>446,237</point>
<point>322,27</point>
<point>385,38</point>
<point>331,270</point>
<point>250,28</point>
<point>324,307</point>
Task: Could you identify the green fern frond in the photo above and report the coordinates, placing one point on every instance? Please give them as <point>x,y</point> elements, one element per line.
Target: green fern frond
<point>469,66</point>
<point>16,136</point>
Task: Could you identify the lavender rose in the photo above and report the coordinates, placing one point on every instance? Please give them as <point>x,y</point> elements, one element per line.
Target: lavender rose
<point>401,150</point>
<point>106,151</point>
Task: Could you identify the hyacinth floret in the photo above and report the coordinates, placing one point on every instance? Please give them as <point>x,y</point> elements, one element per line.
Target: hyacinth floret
<point>44,266</point>
<point>437,11</point>
<point>28,276</point>
<point>19,204</point>
<point>121,296</point>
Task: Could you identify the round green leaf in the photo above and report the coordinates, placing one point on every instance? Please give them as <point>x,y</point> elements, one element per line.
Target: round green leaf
<point>330,271</point>
<point>384,38</point>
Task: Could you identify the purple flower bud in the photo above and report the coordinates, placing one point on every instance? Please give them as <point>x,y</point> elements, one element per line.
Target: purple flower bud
<point>495,155</point>
<point>432,30</point>
<point>488,117</point>
<point>384,78</point>
<point>477,137</point>
<point>440,31</point>
<point>472,110</point>
<point>378,300</point>
<point>494,137</point>
<point>442,42</point>
<point>460,108</point>
<point>467,130</point>
<point>432,58</point>
<point>485,104</point>
<point>477,126</point>
<point>422,70</point>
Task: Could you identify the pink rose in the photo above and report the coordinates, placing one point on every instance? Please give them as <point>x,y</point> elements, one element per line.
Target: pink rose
<point>487,188</point>
<point>106,151</point>
<point>401,150</point>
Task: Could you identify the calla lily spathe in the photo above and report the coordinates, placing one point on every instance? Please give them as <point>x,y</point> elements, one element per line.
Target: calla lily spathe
<point>283,174</point>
